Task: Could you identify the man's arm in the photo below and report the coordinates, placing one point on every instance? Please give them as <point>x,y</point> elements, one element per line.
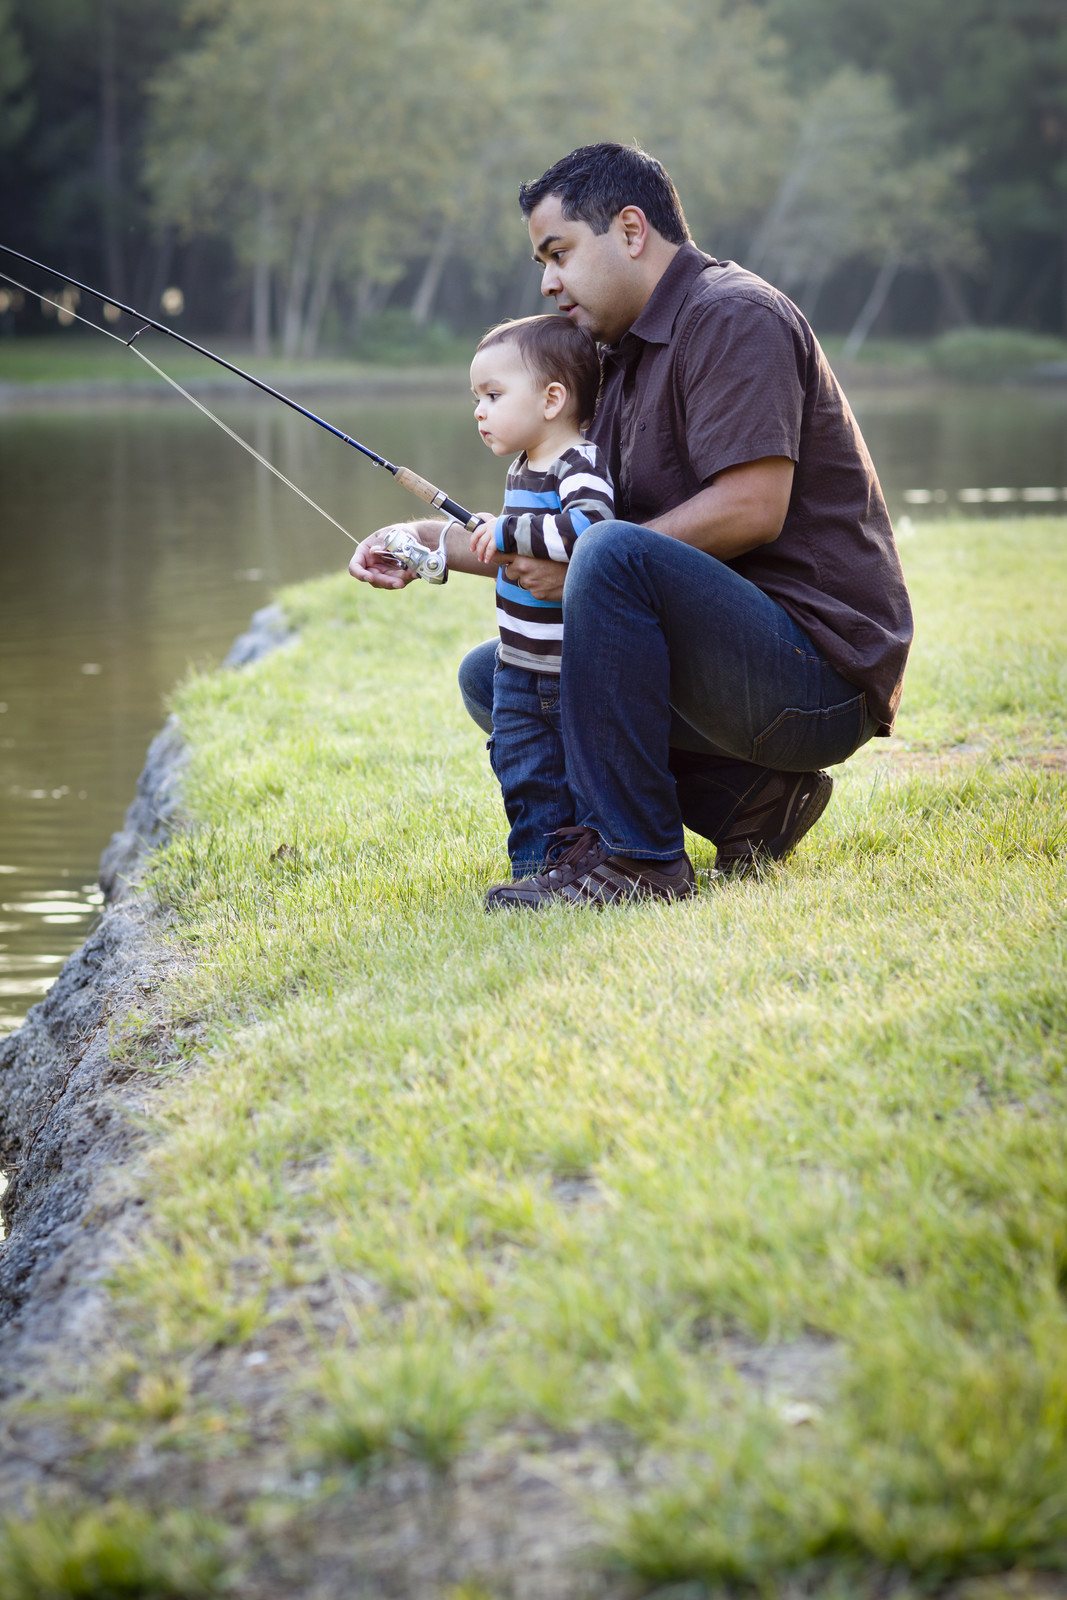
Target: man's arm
<point>742,508</point>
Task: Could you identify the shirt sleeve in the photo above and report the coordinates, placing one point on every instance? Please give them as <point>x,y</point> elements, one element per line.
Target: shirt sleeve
<point>585,495</point>
<point>742,375</point>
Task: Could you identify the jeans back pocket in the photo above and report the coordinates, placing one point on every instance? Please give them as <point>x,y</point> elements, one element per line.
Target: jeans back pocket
<point>800,741</point>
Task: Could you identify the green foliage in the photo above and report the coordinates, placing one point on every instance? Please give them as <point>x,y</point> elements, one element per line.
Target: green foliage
<point>849,192</point>
<point>393,339</point>
<point>977,355</point>
<point>115,1552</point>
<point>88,64</point>
<point>984,76</point>
<point>16,105</point>
<point>357,150</point>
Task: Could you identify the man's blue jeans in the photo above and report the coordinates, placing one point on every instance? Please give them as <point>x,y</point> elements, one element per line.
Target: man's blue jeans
<point>682,684</point>
<point>526,751</point>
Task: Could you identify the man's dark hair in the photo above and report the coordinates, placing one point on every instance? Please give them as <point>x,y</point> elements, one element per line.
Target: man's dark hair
<point>597,181</point>
<point>555,351</point>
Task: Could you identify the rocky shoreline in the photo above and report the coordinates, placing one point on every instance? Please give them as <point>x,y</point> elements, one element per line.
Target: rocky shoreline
<point>71,1102</point>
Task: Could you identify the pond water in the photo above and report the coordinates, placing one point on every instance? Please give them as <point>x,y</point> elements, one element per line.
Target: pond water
<point>136,539</point>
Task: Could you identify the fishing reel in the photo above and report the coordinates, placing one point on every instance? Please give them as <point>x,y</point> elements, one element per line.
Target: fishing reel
<point>407,551</point>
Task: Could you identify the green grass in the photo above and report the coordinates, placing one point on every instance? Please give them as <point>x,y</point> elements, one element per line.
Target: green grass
<point>114,1552</point>
<point>564,1174</point>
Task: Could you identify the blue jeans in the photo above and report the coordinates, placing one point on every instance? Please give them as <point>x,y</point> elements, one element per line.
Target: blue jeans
<point>682,684</point>
<point>526,752</point>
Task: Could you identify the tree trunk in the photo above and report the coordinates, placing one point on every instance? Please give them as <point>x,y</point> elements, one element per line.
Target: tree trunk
<point>1039,286</point>
<point>426,293</point>
<point>300,271</point>
<point>526,299</point>
<point>164,253</point>
<point>757,256</point>
<point>872,306</point>
<point>957,313</point>
<point>320,295</point>
<point>261,279</point>
<point>813,288</point>
<point>110,153</point>
<point>370,298</point>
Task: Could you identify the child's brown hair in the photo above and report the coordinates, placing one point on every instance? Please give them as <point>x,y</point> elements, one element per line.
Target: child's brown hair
<point>555,351</point>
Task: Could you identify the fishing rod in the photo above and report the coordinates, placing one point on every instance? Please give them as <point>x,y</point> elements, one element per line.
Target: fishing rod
<point>404,475</point>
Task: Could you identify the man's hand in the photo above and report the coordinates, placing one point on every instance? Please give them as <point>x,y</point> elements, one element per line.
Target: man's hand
<point>543,579</point>
<point>372,564</point>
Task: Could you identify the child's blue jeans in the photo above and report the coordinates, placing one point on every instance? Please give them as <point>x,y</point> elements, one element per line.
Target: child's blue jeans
<point>526,751</point>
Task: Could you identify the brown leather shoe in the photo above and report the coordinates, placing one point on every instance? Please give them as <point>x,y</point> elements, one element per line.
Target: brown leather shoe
<point>579,869</point>
<point>772,820</point>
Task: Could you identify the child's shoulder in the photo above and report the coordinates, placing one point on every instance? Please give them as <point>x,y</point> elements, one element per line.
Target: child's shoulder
<point>583,457</point>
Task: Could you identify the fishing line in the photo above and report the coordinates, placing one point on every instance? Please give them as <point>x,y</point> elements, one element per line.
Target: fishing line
<point>129,345</point>
<point>407,479</point>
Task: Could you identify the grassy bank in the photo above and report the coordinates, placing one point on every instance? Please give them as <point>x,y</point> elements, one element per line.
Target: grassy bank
<point>740,1225</point>
<point>81,358</point>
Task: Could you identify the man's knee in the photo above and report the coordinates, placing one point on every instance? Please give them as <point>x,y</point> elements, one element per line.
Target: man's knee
<point>476,683</point>
<point>604,547</point>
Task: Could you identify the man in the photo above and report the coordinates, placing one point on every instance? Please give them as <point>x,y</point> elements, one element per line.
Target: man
<point>746,623</point>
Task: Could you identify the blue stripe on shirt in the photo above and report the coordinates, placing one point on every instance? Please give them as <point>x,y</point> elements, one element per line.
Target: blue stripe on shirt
<point>531,500</point>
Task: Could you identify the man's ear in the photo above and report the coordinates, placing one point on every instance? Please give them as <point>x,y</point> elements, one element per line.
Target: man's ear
<point>556,398</point>
<point>634,225</point>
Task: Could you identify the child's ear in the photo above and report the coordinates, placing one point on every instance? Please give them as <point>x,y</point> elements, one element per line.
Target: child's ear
<point>556,398</point>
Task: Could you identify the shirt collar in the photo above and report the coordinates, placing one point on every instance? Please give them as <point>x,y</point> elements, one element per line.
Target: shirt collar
<point>655,325</point>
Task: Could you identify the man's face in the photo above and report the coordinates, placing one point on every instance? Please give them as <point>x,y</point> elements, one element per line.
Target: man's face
<point>593,277</point>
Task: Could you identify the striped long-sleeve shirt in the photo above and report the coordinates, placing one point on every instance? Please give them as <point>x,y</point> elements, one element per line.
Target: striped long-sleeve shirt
<point>544,513</point>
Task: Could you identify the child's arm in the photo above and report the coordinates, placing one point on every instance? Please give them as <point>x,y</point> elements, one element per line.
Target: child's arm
<point>586,496</point>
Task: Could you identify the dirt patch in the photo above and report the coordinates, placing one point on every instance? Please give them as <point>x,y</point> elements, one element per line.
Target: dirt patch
<point>896,760</point>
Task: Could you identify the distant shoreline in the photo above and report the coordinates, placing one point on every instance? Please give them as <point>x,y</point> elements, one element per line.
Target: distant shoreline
<point>437,382</point>
<point>371,382</point>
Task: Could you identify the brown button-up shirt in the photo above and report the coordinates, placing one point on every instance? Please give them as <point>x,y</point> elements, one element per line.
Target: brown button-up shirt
<point>719,369</point>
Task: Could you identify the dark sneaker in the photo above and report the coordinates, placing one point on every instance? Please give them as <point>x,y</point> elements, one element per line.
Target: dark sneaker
<point>780,813</point>
<point>581,870</point>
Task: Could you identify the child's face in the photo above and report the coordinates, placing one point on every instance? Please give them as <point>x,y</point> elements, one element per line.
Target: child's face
<point>510,403</point>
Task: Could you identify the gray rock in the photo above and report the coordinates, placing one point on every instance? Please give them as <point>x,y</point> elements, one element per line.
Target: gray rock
<point>269,631</point>
<point>152,815</point>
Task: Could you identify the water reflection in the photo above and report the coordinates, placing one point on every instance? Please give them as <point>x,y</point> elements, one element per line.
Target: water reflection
<point>136,539</point>
<point>950,444</point>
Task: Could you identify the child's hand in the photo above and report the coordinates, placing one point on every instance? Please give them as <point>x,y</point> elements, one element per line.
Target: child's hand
<point>483,539</point>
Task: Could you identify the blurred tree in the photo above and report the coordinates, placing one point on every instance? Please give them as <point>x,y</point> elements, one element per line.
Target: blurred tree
<point>16,106</point>
<point>989,76</point>
<point>849,193</point>
<point>697,81</point>
<point>320,143</point>
<point>71,187</point>
<point>360,141</point>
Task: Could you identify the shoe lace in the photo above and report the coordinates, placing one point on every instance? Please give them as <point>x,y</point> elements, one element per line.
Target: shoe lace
<point>572,848</point>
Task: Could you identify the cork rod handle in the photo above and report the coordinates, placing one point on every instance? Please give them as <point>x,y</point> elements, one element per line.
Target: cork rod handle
<point>434,496</point>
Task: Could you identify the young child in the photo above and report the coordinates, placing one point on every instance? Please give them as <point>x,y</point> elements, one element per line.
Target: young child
<point>536,382</point>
